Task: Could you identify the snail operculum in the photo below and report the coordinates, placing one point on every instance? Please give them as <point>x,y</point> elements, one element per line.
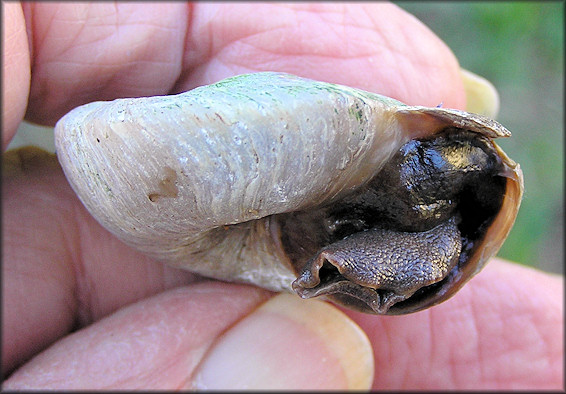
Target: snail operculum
<point>398,263</point>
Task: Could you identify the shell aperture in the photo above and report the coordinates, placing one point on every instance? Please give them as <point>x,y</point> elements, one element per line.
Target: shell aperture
<point>251,178</point>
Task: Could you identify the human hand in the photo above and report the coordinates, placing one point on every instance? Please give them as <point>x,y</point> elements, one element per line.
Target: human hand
<point>115,319</point>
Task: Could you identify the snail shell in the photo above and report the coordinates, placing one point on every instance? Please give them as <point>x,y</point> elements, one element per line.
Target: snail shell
<point>297,185</point>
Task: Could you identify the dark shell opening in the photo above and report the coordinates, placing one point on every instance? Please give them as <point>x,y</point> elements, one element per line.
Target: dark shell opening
<point>455,173</point>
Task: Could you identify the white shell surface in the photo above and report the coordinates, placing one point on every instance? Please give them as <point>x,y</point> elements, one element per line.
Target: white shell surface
<point>164,173</point>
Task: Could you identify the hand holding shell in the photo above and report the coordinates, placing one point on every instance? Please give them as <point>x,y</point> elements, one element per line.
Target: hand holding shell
<point>298,185</point>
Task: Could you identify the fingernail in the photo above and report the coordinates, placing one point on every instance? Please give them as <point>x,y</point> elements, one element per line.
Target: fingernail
<point>482,97</point>
<point>289,343</point>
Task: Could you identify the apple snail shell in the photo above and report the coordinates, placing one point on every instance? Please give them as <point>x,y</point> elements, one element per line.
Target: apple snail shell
<point>298,185</point>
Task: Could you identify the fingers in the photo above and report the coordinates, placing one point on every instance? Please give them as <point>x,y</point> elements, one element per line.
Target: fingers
<point>213,336</point>
<point>208,336</point>
<point>289,344</point>
<point>481,96</point>
<point>503,330</point>
<point>86,52</point>
<point>99,51</point>
<point>79,56</point>
<point>376,47</point>
<point>61,269</point>
<point>15,70</point>
<point>492,334</point>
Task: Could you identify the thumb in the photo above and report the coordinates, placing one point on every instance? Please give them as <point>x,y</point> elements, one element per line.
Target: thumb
<point>289,344</point>
<point>209,336</point>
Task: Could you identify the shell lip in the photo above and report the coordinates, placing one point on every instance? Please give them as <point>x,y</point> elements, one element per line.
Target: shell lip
<point>417,118</point>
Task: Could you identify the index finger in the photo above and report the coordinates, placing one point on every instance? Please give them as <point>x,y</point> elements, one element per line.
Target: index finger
<point>87,52</point>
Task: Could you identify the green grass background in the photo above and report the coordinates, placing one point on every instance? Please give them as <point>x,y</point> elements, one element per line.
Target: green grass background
<point>519,47</point>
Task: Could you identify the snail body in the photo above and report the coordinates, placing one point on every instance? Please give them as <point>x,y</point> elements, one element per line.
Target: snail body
<point>254,178</point>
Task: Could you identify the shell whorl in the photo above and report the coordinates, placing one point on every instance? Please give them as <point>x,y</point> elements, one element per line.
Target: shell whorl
<point>162,172</point>
<point>219,180</point>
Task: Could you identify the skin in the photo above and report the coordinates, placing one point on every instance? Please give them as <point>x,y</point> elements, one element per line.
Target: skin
<point>63,272</point>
